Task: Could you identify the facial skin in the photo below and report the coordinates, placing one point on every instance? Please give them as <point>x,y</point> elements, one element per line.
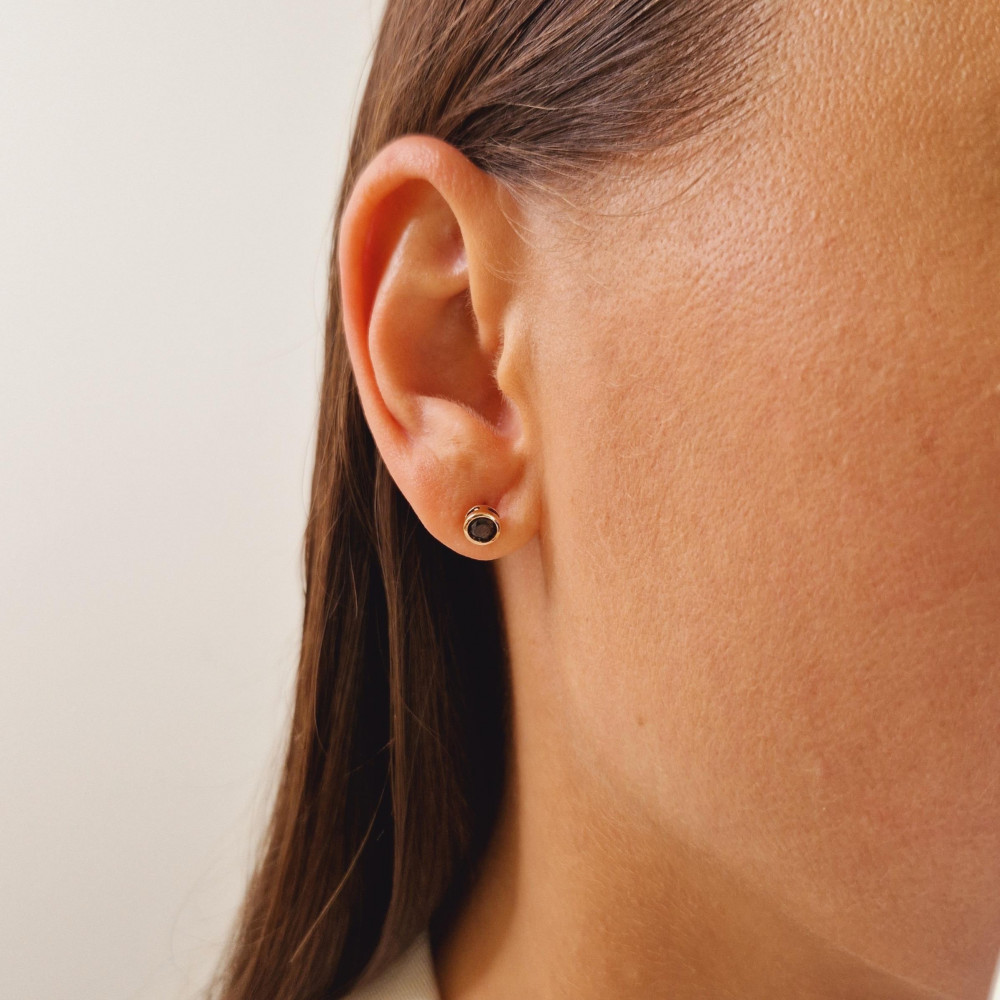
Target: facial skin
<point>744,441</point>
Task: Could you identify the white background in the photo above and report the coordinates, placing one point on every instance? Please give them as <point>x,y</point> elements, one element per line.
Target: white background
<point>168,173</point>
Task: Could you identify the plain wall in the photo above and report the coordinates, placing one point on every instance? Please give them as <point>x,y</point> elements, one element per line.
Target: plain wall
<point>168,173</point>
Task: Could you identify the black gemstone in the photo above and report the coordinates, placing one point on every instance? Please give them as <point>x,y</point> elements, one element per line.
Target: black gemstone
<point>482,529</point>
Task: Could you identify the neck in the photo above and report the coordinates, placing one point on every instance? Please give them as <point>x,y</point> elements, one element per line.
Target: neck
<point>583,895</point>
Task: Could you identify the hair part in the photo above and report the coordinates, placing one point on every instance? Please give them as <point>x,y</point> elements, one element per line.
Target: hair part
<point>396,757</point>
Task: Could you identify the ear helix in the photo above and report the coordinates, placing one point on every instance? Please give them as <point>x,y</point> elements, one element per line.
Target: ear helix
<point>482,524</point>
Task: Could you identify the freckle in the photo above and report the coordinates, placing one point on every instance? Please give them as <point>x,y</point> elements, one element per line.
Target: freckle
<point>640,720</point>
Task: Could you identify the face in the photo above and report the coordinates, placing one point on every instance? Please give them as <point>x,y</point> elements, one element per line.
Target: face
<point>776,456</point>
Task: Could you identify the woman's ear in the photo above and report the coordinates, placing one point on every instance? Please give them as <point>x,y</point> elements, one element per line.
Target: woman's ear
<point>428,263</point>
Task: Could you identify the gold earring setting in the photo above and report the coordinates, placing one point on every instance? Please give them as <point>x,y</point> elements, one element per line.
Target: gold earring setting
<point>482,525</point>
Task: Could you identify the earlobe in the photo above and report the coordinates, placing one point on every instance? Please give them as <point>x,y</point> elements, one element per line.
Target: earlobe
<point>426,254</point>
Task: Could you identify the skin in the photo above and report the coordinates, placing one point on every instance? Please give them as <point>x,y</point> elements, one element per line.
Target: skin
<point>740,417</point>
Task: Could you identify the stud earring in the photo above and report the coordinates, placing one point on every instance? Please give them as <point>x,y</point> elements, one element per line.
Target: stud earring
<point>482,524</point>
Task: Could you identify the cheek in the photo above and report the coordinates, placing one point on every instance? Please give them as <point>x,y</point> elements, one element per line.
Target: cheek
<point>778,583</point>
<point>778,577</point>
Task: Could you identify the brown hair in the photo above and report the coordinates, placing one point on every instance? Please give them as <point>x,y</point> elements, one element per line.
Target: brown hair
<point>396,757</point>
